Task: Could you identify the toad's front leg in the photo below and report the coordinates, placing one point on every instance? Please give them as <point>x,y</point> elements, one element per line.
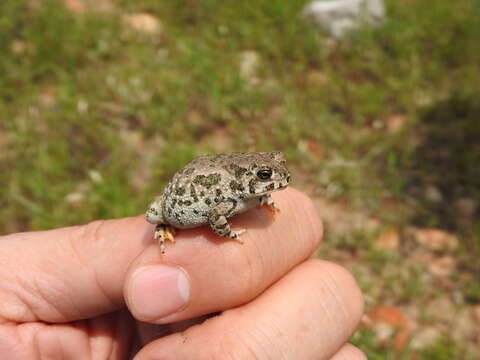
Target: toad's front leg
<point>217,219</point>
<point>267,201</point>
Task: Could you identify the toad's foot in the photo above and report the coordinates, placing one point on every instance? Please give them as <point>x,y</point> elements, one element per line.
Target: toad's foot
<point>236,235</point>
<point>266,201</point>
<point>163,233</point>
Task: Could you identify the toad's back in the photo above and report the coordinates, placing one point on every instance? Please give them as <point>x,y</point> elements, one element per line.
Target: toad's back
<point>213,179</point>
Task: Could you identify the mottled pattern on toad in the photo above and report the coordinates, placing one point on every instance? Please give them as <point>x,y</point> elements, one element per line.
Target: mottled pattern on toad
<point>212,188</point>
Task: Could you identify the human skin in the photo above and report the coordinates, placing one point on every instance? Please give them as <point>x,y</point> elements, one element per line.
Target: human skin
<point>104,291</point>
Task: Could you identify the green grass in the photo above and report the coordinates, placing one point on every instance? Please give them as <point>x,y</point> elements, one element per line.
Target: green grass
<point>93,109</point>
<point>444,348</point>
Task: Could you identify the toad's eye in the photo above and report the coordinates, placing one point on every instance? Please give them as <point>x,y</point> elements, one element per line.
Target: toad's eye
<point>264,174</point>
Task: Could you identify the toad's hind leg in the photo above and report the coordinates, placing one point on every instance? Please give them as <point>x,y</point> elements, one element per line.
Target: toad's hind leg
<point>221,227</point>
<point>163,233</point>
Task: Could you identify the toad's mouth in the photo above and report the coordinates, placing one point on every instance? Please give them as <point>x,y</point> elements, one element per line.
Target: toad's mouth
<point>269,188</point>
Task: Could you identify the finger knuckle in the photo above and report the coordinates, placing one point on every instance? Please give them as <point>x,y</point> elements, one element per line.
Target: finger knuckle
<point>232,353</point>
<point>349,352</point>
<point>248,271</point>
<point>244,345</point>
<point>308,216</point>
<point>341,285</point>
<point>85,239</point>
<point>357,354</point>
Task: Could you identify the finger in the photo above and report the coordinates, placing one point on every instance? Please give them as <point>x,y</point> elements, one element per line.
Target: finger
<point>210,274</point>
<point>79,272</point>
<point>349,352</point>
<point>308,314</point>
<point>70,273</point>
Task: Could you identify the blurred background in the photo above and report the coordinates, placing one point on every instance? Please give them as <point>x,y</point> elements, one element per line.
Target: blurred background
<point>102,101</point>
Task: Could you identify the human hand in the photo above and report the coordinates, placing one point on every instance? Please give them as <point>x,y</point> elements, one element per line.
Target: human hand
<point>104,291</point>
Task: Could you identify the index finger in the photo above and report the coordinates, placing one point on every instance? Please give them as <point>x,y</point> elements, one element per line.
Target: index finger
<point>79,272</point>
<point>205,273</point>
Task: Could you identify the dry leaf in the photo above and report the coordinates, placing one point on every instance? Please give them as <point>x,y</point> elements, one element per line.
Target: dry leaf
<point>442,309</point>
<point>75,6</point>
<point>465,326</point>
<point>80,6</point>
<point>388,240</point>
<point>422,258</point>
<point>48,97</point>
<point>476,313</point>
<point>316,150</point>
<point>443,266</point>
<point>435,239</point>
<point>388,322</point>
<point>317,78</point>
<point>18,47</point>
<point>425,337</point>
<point>395,123</point>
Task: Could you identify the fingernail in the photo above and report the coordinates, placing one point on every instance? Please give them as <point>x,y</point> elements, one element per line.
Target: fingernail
<point>158,291</point>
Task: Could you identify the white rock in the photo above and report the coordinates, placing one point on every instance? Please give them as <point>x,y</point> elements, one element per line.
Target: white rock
<point>74,198</point>
<point>144,23</point>
<point>442,309</point>
<point>337,17</point>
<point>425,337</point>
<point>82,106</point>
<point>95,176</point>
<point>249,62</point>
<point>433,194</point>
<point>465,326</point>
<point>435,239</point>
